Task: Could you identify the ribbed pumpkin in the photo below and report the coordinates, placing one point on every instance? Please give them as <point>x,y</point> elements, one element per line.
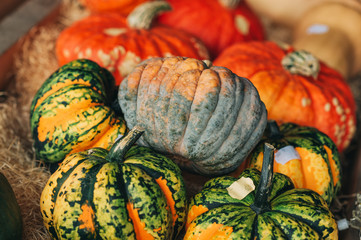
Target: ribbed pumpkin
<point>296,87</point>
<point>258,206</point>
<point>207,117</point>
<point>118,6</point>
<point>218,23</point>
<point>129,192</point>
<point>71,111</point>
<point>11,224</point>
<point>119,43</point>
<point>309,157</point>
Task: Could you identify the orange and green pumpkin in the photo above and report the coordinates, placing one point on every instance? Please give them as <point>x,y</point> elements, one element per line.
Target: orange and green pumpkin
<point>207,116</point>
<point>72,111</point>
<point>306,155</point>
<point>119,43</point>
<point>129,192</point>
<point>258,205</point>
<point>296,87</point>
<point>11,223</point>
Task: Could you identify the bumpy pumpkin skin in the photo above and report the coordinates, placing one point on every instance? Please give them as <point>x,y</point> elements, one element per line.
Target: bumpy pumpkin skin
<point>140,197</point>
<point>11,224</point>
<point>208,116</point>
<point>218,26</point>
<point>71,111</point>
<point>324,101</point>
<point>318,167</point>
<point>116,45</point>
<point>294,213</point>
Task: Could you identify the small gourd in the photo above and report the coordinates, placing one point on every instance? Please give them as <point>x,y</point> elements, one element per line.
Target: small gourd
<point>72,111</point>
<point>306,155</point>
<point>258,205</point>
<point>129,192</point>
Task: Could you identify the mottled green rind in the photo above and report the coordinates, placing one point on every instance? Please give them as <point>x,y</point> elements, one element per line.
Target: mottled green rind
<point>107,187</point>
<point>294,213</point>
<point>307,138</point>
<point>100,89</point>
<point>11,224</point>
<point>214,130</point>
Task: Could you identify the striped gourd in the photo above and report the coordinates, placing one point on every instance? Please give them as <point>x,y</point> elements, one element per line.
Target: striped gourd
<point>271,209</point>
<point>306,155</point>
<point>129,192</point>
<point>71,111</point>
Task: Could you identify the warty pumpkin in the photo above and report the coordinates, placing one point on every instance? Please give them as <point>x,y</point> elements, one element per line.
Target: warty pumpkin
<point>11,223</point>
<point>296,87</point>
<point>306,155</point>
<point>72,111</point>
<point>207,116</point>
<point>218,23</point>
<point>258,205</point>
<point>117,6</point>
<point>119,43</point>
<point>129,192</point>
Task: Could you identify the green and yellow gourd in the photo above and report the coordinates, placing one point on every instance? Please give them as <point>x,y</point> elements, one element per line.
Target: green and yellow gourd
<point>71,111</point>
<point>129,192</point>
<point>11,224</point>
<point>306,155</point>
<point>258,205</point>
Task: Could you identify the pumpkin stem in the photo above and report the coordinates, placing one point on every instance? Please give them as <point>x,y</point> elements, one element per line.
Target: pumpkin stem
<point>263,190</point>
<point>301,62</point>
<point>122,145</point>
<point>142,16</point>
<point>272,130</point>
<point>230,4</point>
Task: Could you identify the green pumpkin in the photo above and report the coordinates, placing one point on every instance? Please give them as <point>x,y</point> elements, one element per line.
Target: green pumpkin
<point>10,216</point>
<point>258,205</point>
<point>205,116</point>
<point>129,192</point>
<point>309,157</point>
<point>71,111</point>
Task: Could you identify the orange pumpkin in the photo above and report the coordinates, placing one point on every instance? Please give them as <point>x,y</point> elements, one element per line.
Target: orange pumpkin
<point>119,6</point>
<point>119,43</point>
<point>296,87</point>
<point>218,23</point>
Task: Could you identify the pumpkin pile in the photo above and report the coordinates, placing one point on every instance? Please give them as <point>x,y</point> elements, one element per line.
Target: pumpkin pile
<point>138,100</point>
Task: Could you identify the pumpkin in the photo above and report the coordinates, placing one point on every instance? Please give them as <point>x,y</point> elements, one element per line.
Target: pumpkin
<point>296,87</point>
<point>118,6</point>
<point>206,117</point>
<point>119,43</point>
<point>129,192</point>
<point>330,31</point>
<point>71,111</point>
<point>10,217</point>
<point>218,23</point>
<point>258,205</point>
<point>290,13</point>
<point>306,155</point>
